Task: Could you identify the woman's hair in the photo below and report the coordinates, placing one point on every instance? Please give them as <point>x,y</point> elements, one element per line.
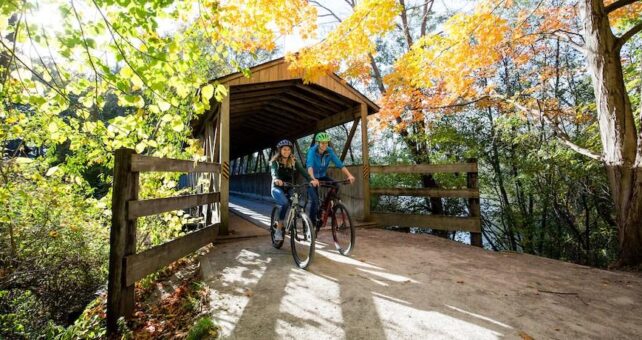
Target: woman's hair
<point>288,162</point>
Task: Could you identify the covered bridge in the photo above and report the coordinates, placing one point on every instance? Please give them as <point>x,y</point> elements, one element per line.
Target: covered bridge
<point>273,104</point>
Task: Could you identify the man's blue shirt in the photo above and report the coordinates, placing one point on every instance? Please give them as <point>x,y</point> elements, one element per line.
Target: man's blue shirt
<point>320,163</point>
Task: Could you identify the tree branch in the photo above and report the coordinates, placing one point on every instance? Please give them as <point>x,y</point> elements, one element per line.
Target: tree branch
<point>6,63</point>
<point>627,35</point>
<point>559,133</point>
<point>404,21</point>
<point>424,18</point>
<point>618,4</point>
<point>91,60</point>
<point>330,12</point>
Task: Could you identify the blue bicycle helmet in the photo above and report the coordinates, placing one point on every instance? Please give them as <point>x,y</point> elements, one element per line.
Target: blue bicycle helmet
<point>283,143</point>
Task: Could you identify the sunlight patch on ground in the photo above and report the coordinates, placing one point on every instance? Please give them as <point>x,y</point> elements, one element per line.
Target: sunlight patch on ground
<point>336,257</point>
<point>264,219</point>
<point>237,282</point>
<point>480,317</point>
<point>389,276</point>
<point>405,322</point>
<point>319,317</point>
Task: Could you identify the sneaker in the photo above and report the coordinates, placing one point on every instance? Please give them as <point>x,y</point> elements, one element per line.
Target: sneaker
<point>278,235</point>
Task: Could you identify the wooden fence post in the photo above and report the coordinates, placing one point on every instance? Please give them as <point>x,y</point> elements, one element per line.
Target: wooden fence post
<point>473,205</point>
<point>224,144</point>
<point>122,240</point>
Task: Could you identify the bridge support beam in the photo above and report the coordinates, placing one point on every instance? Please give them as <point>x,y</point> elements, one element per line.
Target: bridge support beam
<point>366,161</point>
<point>224,144</point>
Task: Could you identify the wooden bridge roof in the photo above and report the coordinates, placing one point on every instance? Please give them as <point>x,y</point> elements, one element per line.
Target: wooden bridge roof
<point>274,103</point>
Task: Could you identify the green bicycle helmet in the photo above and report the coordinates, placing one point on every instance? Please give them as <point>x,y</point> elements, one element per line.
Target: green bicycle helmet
<point>322,137</point>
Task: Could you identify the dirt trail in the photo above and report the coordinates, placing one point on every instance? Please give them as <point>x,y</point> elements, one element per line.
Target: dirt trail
<point>403,286</point>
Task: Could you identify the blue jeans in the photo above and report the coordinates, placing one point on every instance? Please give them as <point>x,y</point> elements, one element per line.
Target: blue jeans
<point>281,198</point>
<point>313,197</point>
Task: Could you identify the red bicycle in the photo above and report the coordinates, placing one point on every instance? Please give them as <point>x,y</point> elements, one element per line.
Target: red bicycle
<point>342,227</point>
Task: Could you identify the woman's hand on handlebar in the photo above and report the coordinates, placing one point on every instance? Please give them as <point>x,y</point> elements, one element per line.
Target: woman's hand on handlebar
<point>314,182</point>
<point>278,182</point>
<point>351,179</point>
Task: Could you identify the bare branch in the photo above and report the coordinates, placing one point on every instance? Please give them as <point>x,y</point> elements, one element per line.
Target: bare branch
<point>32,71</point>
<point>627,35</point>
<point>404,21</point>
<point>618,4</point>
<point>559,133</point>
<point>330,12</point>
<point>91,60</point>
<point>6,71</point>
<point>377,74</point>
<point>424,18</point>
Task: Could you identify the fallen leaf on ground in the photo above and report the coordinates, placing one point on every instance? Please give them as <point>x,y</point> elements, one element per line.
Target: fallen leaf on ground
<point>525,336</point>
<point>248,292</point>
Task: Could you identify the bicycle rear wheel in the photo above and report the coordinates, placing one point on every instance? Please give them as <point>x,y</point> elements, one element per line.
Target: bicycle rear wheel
<point>342,229</point>
<point>302,240</point>
<point>273,220</point>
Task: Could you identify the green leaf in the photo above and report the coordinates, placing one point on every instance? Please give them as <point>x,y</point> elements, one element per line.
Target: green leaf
<point>221,92</point>
<point>163,105</point>
<point>177,125</point>
<point>207,92</point>
<point>140,147</point>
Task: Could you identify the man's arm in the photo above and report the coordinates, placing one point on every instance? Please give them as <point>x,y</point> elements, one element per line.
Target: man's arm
<point>348,174</point>
<point>339,164</point>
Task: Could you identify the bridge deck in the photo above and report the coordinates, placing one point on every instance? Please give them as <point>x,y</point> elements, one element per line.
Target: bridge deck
<point>403,286</point>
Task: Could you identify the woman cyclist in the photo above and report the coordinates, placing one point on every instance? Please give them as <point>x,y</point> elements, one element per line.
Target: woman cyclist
<point>283,166</point>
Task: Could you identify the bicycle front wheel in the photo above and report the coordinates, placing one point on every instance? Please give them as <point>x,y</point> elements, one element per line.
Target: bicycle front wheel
<point>302,240</point>
<point>273,220</point>
<point>342,229</point>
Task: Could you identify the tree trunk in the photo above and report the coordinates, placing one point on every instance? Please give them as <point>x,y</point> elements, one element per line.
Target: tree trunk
<point>617,129</point>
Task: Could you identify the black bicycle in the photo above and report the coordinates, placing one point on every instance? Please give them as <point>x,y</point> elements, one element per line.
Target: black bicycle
<point>298,225</point>
<point>343,231</point>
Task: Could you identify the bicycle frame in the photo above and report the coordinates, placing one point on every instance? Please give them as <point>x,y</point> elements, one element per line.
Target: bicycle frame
<point>295,208</point>
<point>325,207</point>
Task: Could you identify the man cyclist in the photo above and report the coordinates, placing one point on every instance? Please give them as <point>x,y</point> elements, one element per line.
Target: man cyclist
<point>318,159</point>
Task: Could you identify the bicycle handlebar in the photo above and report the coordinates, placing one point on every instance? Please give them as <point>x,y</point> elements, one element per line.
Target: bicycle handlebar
<point>345,181</point>
<point>292,185</point>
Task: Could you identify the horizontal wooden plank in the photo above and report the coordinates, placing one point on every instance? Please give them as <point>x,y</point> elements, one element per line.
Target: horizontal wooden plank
<point>142,163</point>
<point>429,221</point>
<point>139,265</point>
<point>158,205</point>
<point>426,192</point>
<point>423,168</point>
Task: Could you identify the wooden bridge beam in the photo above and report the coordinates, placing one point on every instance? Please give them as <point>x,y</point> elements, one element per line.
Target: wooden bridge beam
<point>366,161</point>
<point>346,147</point>
<point>224,178</point>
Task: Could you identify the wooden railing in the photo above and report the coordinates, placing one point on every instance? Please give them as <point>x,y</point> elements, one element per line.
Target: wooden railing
<point>125,265</point>
<point>470,223</point>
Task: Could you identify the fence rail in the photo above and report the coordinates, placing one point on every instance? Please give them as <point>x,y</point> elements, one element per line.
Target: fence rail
<point>125,265</point>
<point>469,223</point>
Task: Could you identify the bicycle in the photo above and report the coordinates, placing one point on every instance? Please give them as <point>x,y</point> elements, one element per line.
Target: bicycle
<point>343,231</point>
<point>298,225</point>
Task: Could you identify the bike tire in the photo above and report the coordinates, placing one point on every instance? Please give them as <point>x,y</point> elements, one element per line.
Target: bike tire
<point>343,231</point>
<point>273,220</point>
<point>302,240</point>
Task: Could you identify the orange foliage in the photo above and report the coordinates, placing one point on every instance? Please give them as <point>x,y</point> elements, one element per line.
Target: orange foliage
<point>249,25</point>
<point>349,44</point>
<point>624,14</point>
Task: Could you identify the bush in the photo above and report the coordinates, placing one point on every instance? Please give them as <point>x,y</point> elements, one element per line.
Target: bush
<point>54,247</point>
